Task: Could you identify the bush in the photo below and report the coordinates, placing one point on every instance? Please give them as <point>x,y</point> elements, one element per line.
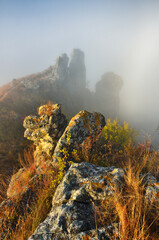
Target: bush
<point>118,137</point>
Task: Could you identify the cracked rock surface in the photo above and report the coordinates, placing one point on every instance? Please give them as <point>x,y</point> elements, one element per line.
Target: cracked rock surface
<point>45,130</point>
<point>82,125</point>
<point>72,215</point>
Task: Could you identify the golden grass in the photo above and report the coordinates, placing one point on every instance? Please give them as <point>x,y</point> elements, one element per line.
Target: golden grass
<point>137,217</point>
<point>20,225</point>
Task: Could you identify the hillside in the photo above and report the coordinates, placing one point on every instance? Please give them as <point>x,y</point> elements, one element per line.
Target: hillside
<point>63,83</point>
<point>85,180</point>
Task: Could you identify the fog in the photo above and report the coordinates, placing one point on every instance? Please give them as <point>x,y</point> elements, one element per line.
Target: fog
<point>120,36</point>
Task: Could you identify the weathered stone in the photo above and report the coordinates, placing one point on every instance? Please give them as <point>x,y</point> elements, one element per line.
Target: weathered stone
<point>77,71</point>
<point>83,125</point>
<point>151,187</point>
<point>73,215</point>
<point>30,84</point>
<point>60,70</point>
<point>107,94</point>
<point>45,130</point>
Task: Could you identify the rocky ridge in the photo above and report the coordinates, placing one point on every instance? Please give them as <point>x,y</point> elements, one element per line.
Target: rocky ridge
<point>63,82</point>
<point>73,206</point>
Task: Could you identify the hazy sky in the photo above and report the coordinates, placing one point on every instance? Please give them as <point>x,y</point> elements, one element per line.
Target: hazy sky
<point>116,35</point>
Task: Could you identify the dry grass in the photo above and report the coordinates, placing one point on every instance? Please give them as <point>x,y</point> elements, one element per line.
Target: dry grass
<point>20,220</point>
<point>27,224</point>
<point>137,217</point>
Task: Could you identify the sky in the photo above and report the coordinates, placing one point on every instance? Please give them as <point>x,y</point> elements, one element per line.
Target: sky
<point>116,35</point>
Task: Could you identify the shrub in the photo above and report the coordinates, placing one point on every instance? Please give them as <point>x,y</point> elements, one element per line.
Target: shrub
<point>117,137</point>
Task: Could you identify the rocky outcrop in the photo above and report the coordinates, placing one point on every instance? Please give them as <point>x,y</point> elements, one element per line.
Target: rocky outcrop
<point>83,125</point>
<point>60,70</point>
<point>83,188</point>
<point>45,130</point>
<point>107,94</point>
<point>54,141</point>
<point>73,215</point>
<point>151,187</point>
<point>77,71</point>
<point>72,75</point>
<point>63,82</point>
<point>73,205</point>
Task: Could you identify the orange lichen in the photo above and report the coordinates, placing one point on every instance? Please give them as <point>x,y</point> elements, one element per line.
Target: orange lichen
<point>95,185</point>
<point>97,119</point>
<point>48,109</point>
<point>36,119</point>
<point>86,237</point>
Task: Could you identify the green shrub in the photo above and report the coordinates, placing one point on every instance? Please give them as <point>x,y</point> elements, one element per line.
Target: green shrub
<point>117,137</point>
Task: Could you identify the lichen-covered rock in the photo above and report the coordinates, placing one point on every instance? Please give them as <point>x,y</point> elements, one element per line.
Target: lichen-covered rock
<point>83,125</point>
<point>72,215</point>
<point>151,187</point>
<point>45,130</point>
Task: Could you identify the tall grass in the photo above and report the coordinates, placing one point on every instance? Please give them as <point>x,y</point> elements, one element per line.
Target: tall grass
<point>132,216</point>
<point>21,223</point>
<point>136,216</point>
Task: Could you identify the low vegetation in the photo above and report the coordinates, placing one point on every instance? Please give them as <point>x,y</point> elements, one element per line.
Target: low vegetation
<point>132,216</point>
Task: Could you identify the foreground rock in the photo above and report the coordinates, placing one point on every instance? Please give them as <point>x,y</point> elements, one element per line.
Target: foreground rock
<point>72,215</point>
<point>83,125</point>
<point>45,130</point>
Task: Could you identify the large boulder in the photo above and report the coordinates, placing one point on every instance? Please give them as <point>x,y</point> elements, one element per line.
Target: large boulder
<point>73,215</point>
<point>45,130</point>
<point>83,125</point>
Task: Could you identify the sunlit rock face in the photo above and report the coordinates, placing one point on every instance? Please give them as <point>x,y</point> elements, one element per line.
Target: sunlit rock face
<point>81,126</point>
<point>73,215</point>
<point>107,94</point>
<point>45,130</point>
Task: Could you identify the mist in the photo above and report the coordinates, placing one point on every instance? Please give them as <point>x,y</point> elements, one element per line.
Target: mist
<point>120,36</point>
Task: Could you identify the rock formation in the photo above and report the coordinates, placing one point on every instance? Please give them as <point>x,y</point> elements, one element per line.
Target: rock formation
<point>50,128</point>
<point>73,213</point>
<point>60,70</point>
<point>77,71</point>
<point>83,125</point>
<point>107,94</point>
<point>73,206</point>
<point>45,130</point>
<point>64,83</point>
<point>69,74</point>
